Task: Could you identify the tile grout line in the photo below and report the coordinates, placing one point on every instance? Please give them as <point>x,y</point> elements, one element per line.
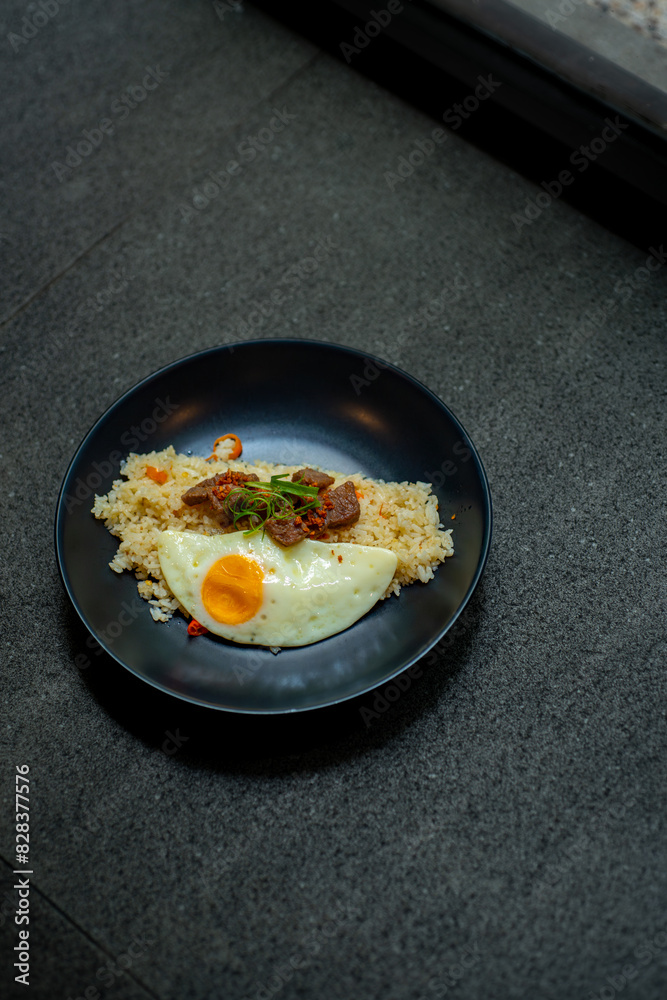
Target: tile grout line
<point>70,920</point>
<point>56,277</point>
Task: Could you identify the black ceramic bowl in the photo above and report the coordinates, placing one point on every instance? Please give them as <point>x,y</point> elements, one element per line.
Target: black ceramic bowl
<point>298,402</point>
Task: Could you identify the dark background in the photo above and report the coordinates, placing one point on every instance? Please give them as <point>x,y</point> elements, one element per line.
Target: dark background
<point>497,832</point>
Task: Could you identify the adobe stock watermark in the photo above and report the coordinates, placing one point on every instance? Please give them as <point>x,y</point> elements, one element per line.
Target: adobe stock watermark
<point>648,951</point>
<point>407,163</point>
<point>389,695</point>
<point>94,821</point>
<point>91,822</point>
<point>253,661</point>
<point>33,22</point>
<point>370,372</point>
<point>306,608</point>
<point>458,113</point>
<point>112,970</point>
<point>117,282</point>
<point>594,319</point>
<point>173,742</point>
<point>425,317</point>
<point>378,21</point>
<point>435,307</point>
<point>448,467</point>
<point>131,438</point>
<point>385,697</point>
<point>129,612</point>
<point>209,872</point>
<point>440,985</point>
<point>247,150</point>
<point>7,908</point>
<point>121,108</point>
<point>292,277</point>
<point>224,7</point>
<point>580,158</point>
<point>311,945</point>
<point>420,319</point>
<point>561,13</point>
<point>574,853</point>
<point>454,117</point>
<point>53,349</point>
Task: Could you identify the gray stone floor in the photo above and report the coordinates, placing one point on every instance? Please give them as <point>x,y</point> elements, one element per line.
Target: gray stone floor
<point>499,833</point>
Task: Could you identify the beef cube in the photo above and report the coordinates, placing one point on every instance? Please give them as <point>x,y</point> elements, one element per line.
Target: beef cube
<point>286,531</point>
<point>215,490</point>
<point>311,477</point>
<point>344,509</point>
<point>220,509</point>
<point>199,493</point>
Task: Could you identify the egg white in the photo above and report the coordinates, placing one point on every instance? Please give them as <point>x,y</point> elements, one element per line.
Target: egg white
<point>307,593</point>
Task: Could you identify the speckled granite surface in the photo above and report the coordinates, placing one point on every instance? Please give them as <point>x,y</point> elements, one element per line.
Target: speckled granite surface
<point>649,17</point>
<point>499,831</point>
<point>630,33</point>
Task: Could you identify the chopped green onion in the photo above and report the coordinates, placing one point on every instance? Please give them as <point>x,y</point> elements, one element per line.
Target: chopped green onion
<point>272,500</point>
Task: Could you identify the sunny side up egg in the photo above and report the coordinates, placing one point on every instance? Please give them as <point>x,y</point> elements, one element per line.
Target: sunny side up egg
<point>253,590</point>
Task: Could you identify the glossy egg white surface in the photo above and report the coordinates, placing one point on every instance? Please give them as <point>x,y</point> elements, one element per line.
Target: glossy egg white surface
<point>306,591</point>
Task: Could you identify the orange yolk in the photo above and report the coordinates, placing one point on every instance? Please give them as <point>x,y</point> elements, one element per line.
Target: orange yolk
<point>232,589</point>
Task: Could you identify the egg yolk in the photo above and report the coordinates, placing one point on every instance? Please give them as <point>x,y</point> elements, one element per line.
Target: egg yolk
<point>232,589</point>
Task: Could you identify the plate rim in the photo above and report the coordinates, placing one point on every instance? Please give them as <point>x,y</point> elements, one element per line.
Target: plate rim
<point>294,342</point>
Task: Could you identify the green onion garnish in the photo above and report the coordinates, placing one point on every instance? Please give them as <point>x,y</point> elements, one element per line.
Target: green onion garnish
<point>266,500</point>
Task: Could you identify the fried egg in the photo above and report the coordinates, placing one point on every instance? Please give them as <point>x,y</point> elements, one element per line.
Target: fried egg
<point>251,589</point>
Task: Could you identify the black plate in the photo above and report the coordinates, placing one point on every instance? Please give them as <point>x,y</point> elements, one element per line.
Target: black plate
<point>297,402</point>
